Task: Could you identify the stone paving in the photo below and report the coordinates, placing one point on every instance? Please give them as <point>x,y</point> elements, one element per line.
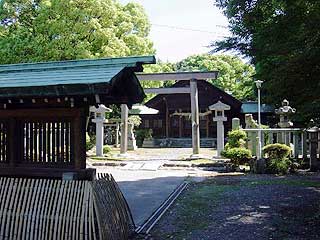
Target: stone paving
<point>145,184</point>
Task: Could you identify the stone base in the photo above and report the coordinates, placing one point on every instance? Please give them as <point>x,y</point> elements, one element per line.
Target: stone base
<point>148,143</point>
<point>132,145</point>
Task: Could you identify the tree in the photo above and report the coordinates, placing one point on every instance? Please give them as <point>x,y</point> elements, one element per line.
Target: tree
<point>43,30</point>
<point>283,42</point>
<point>160,67</point>
<point>235,76</point>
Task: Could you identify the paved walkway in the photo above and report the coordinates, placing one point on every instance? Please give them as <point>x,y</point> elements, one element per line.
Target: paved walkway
<point>145,186</point>
<point>145,190</point>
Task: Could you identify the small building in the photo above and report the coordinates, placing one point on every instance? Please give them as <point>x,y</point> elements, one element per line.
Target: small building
<point>44,109</point>
<point>173,118</point>
<point>268,116</point>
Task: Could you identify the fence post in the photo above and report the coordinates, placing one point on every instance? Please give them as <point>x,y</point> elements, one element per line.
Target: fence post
<point>313,148</point>
<point>295,144</point>
<point>304,144</point>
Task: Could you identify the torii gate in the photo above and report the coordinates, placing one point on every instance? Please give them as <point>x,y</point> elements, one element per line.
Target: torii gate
<point>192,90</point>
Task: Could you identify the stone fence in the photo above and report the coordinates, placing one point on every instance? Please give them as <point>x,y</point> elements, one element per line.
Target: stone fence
<point>303,142</point>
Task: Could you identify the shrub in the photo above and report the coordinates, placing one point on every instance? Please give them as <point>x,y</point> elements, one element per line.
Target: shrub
<point>89,142</point>
<point>277,151</point>
<point>106,149</point>
<point>135,120</point>
<point>278,161</point>
<point>142,134</point>
<point>278,165</point>
<point>237,155</point>
<point>235,148</point>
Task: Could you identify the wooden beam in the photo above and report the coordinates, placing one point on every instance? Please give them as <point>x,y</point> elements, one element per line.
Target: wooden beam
<point>177,76</point>
<point>195,118</point>
<point>168,90</point>
<point>124,129</point>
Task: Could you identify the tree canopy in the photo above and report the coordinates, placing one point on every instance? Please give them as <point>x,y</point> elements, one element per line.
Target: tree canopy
<point>234,77</point>
<point>283,41</point>
<point>43,30</point>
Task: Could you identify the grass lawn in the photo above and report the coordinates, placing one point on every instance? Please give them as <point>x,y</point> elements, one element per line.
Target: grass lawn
<point>245,207</point>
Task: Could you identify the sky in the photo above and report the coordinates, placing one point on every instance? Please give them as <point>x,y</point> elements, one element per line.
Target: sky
<point>181,28</point>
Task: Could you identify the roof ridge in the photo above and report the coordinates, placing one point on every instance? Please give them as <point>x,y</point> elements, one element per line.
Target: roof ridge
<point>77,63</point>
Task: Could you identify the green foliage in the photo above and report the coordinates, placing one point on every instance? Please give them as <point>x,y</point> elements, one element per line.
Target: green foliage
<point>142,134</point>
<point>278,165</point>
<point>278,161</point>
<point>236,139</point>
<point>235,76</point>
<point>135,120</point>
<point>282,41</point>
<point>237,155</point>
<point>106,149</point>
<point>276,151</point>
<point>89,142</point>
<point>42,30</point>
<point>235,148</point>
<point>160,67</point>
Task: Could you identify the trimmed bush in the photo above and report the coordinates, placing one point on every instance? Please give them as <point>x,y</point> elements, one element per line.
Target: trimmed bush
<point>236,139</point>
<point>106,149</point>
<point>278,165</point>
<point>142,134</point>
<point>89,142</point>
<point>277,151</point>
<point>235,148</point>
<point>278,161</point>
<point>238,155</point>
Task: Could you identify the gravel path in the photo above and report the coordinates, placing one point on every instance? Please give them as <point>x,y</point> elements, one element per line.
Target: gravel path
<point>245,207</point>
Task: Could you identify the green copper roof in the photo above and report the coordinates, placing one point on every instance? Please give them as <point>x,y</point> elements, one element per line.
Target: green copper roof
<point>67,72</point>
<point>113,79</point>
<point>252,107</point>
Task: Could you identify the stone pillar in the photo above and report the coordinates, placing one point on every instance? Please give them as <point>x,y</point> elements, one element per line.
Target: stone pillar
<point>99,136</point>
<point>124,129</point>
<point>304,145</point>
<point>313,141</point>
<point>295,144</point>
<point>220,117</point>
<point>117,134</point>
<point>195,117</point>
<point>132,144</point>
<point>99,120</point>
<point>235,123</point>
<point>220,137</point>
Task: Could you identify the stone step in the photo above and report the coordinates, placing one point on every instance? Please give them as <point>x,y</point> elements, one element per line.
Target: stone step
<point>182,142</point>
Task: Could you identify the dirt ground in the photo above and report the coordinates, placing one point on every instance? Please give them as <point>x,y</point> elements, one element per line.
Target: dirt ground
<point>245,207</point>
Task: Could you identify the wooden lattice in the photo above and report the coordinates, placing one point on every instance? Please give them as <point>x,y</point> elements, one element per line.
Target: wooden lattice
<point>56,209</point>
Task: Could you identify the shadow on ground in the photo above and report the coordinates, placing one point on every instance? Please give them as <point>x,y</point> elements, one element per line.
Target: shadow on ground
<point>249,207</point>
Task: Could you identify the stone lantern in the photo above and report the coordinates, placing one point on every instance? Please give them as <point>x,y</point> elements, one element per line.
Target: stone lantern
<point>285,111</point>
<point>99,120</point>
<point>219,109</point>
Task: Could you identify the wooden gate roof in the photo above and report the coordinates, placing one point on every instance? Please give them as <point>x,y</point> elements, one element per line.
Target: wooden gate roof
<point>111,78</point>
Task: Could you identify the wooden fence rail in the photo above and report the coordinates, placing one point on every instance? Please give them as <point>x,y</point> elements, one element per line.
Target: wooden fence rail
<point>57,209</point>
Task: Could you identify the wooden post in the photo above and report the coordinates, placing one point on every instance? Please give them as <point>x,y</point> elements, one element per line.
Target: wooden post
<point>167,120</point>
<point>124,129</point>
<point>195,117</point>
<point>14,142</point>
<point>180,126</point>
<point>79,140</point>
<point>207,126</point>
<point>313,148</point>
